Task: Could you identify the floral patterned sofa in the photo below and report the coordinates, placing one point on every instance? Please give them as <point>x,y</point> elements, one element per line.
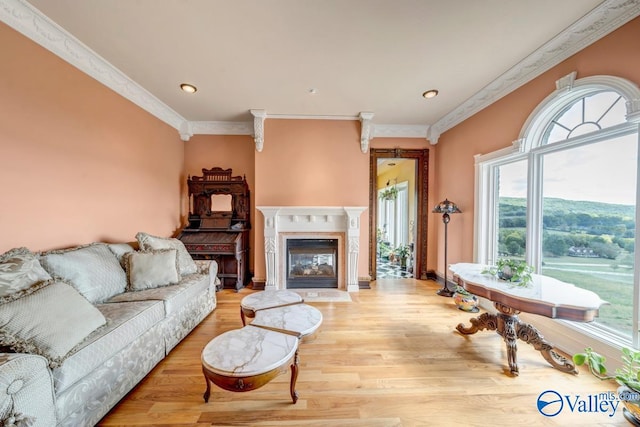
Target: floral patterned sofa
<point>80,327</point>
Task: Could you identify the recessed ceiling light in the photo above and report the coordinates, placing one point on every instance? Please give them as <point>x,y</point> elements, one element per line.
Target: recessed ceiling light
<point>189,88</point>
<point>430,93</point>
<point>313,91</point>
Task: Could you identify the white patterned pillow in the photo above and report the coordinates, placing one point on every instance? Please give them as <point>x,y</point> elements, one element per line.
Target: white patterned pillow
<point>119,249</point>
<point>50,322</point>
<point>92,269</point>
<point>19,271</point>
<point>146,270</point>
<point>186,265</point>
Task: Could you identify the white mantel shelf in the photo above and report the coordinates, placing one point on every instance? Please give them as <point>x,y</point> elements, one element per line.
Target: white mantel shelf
<point>279,220</point>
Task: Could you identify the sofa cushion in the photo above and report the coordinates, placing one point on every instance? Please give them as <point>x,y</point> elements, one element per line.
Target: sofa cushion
<point>186,265</point>
<point>50,322</point>
<point>20,270</point>
<point>126,322</point>
<point>152,269</point>
<point>174,297</point>
<point>92,269</point>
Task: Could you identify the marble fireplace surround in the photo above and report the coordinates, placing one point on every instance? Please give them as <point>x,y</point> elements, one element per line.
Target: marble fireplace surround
<point>309,222</point>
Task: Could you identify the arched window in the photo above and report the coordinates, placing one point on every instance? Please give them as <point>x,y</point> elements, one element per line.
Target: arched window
<point>564,197</point>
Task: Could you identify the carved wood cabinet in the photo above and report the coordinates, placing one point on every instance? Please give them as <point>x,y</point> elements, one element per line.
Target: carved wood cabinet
<point>219,224</point>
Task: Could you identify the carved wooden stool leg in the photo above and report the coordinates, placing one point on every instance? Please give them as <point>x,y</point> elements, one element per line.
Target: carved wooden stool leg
<point>207,392</point>
<point>294,378</point>
<point>244,320</point>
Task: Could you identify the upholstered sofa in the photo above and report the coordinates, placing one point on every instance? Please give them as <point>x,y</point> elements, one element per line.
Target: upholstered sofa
<point>80,327</point>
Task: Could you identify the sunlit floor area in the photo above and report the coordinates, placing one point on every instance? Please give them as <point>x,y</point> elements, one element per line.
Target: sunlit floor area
<point>390,357</point>
<point>386,269</point>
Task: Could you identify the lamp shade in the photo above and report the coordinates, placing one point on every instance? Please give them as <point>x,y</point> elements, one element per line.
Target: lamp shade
<point>446,206</point>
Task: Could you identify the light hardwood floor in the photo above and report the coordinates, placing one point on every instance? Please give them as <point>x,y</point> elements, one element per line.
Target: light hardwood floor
<point>391,357</point>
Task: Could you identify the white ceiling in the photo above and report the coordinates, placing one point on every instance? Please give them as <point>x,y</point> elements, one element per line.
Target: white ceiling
<point>359,55</point>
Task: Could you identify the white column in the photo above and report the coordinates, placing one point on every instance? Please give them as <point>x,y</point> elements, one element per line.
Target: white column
<point>353,246</point>
<point>271,247</point>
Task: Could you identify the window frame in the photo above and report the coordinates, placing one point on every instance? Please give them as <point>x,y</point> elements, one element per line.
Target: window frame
<point>531,148</point>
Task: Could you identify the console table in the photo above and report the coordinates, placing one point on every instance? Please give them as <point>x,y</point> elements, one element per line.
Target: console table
<point>544,296</point>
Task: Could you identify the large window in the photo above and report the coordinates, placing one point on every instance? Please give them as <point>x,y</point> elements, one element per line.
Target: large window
<point>564,198</point>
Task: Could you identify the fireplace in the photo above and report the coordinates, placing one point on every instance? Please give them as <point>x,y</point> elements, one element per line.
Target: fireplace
<point>283,223</point>
<point>312,263</point>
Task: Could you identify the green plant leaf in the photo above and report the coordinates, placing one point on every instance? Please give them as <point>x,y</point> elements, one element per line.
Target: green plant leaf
<point>579,358</point>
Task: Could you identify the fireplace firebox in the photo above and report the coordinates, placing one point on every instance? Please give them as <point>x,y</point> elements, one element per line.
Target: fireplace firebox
<point>312,263</point>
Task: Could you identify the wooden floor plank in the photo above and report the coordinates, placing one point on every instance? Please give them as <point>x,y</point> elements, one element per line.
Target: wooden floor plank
<point>389,358</point>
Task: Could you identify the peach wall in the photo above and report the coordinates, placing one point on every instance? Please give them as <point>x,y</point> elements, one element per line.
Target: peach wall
<point>225,151</point>
<point>79,163</point>
<point>311,163</point>
<point>498,125</point>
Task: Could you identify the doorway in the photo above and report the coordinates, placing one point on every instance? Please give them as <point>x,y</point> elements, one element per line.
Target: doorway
<point>398,197</point>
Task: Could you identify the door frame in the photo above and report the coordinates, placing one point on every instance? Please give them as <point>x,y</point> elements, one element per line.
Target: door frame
<point>422,187</point>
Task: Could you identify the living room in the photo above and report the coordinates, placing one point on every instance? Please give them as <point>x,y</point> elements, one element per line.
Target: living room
<point>82,163</point>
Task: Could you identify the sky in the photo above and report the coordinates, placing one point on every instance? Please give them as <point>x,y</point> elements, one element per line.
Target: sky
<point>600,172</point>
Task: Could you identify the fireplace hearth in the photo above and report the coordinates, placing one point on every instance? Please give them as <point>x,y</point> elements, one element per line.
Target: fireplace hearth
<point>312,263</point>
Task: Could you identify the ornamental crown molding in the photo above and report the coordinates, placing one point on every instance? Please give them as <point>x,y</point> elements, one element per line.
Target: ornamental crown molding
<point>29,21</point>
<point>608,16</point>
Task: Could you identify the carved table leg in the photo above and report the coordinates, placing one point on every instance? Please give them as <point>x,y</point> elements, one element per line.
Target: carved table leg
<point>294,378</point>
<point>508,329</point>
<point>484,321</point>
<point>507,324</point>
<point>556,358</point>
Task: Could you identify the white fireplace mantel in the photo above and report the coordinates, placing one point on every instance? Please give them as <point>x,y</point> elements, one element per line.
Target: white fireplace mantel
<point>280,220</point>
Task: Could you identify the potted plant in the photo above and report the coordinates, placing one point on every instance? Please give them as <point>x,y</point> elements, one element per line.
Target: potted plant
<point>512,270</point>
<point>403,252</point>
<point>628,376</point>
<point>389,193</point>
<point>465,300</point>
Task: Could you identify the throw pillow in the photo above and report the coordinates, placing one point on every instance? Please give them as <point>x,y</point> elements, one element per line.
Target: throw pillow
<point>119,249</point>
<point>152,269</point>
<point>92,269</point>
<point>148,242</point>
<point>50,322</point>
<point>20,272</point>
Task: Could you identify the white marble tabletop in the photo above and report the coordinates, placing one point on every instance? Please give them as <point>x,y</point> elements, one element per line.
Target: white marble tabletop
<point>248,351</point>
<point>300,319</point>
<point>544,295</point>
<point>268,299</point>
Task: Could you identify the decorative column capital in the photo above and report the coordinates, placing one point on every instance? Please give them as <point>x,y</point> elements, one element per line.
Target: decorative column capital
<point>365,130</point>
<point>186,131</point>
<point>433,134</point>
<point>258,128</point>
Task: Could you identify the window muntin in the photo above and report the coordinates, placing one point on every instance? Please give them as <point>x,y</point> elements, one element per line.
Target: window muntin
<point>588,114</point>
